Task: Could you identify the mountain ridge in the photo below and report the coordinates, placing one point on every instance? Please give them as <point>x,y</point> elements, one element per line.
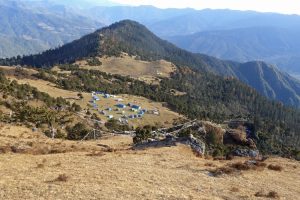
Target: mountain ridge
<point>136,40</point>
<point>274,45</point>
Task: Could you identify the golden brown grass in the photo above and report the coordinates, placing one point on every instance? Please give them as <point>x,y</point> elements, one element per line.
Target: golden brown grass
<point>129,66</point>
<point>156,173</point>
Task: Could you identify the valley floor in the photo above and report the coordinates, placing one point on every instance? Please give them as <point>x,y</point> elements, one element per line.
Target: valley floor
<point>110,169</point>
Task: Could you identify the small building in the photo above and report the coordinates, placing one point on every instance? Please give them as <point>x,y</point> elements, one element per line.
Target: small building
<point>155,112</point>
<point>141,112</point>
<point>109,109</point>
<point>121,105</point>
<point>106,96</point>
<point>136,107</point>
<point>96,98</point>
<point>110,116</point>
<point>131,117</point>
<point>102,112</point>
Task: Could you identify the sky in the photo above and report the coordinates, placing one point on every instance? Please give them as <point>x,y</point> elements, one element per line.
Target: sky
<point>279,6</point>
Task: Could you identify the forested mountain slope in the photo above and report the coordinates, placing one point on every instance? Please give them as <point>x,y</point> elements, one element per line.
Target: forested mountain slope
<point>134,39</point>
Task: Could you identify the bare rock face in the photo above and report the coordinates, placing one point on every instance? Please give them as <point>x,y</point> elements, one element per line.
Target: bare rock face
<point>246,153</point>
<point>196,144</point>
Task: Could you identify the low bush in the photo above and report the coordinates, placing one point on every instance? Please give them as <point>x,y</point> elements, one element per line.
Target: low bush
<point>222,170</point>
<point>214,134</point>
<point>275,167</point>
<point>271,194</point>
<point>62,178</point>
<point>142,134</point>
<point>94,62</point>
<point>240,166</point>
<point>115,125</point>
<point>234,189</point>
<point>77,132</point>
<point>237,167</point>
<point>209,165</point>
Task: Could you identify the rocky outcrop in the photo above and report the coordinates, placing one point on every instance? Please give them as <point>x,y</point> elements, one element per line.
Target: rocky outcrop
<point>246,153</point>
<point>196,144</point>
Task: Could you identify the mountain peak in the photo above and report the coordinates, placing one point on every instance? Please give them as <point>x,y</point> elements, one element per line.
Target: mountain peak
<point>126,22</point>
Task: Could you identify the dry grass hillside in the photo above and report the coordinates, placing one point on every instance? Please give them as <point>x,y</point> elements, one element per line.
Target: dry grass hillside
<point>129,66</point>
<point>110,169</point>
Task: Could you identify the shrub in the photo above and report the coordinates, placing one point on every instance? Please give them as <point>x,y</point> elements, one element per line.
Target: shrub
<point>222,170</point>
<point>271,194</point>
<point>185,133</point>
<point>77,132</point>
<point>260,164</point>
<point>62,178</point>
<point>234,189</point>
<point>209,165</point>
<point>80,95</point>
<point>220,150</point>
<point>229,157</point>
<point>275,167</point>
<point>142,134</point>
<point>40,165</point>
<point>214,134</point>
<point>59,134</point>
<point>115,125</point>
<point>94,62</point>
<point>240,166</point>
<point>76,107</point>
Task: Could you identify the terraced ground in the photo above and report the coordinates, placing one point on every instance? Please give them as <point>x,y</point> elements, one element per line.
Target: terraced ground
<point>110,169</point>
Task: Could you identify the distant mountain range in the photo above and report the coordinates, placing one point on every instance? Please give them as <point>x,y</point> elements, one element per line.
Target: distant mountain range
<point>235,35</point>
<point>31,26</point>
<point>135,39</point>
<point>27,29</point>
<point>280,46</point>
